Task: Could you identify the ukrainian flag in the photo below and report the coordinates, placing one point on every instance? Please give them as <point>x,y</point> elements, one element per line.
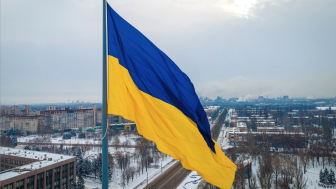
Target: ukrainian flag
<point>147,87</point>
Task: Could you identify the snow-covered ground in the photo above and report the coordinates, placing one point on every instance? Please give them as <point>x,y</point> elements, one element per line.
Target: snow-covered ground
<point>191,182</point>
<point>312,177</point>
<point>312,174</point>
<point>228,116</point>
<point>74,140</point>
<point>138,179</point>
<point>26,138</point>
<point>141,182</point>
<point>223,141</point>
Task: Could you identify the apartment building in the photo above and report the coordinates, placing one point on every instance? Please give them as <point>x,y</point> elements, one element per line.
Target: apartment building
<point>20,122</point>
<point>270,129</point>
<point>4,110</point>
<point>25,169</point>
<point>274,138</point>
<point>53,118</point>
<point>68,118</point>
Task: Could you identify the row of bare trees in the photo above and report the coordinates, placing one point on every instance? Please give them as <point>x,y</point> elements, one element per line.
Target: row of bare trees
<point>279,171</point>
<point>270,170</point>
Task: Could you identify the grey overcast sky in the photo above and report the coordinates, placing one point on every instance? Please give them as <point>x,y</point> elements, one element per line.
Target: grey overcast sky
<point>51,50</point>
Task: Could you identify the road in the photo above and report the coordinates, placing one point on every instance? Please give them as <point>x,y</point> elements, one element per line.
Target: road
<point>170,178</point>
<point>174,176</point>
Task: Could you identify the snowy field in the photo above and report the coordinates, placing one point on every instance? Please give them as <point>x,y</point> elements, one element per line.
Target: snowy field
<point>312,174</point>
<point>139,181</point>
<point>75,140</point>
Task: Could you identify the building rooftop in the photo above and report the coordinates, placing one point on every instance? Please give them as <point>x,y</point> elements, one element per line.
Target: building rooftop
<point>271,133</point>
<point>43,159</point>
<point>270,127</point>
<point>118,124</point>
<point>241,124</point>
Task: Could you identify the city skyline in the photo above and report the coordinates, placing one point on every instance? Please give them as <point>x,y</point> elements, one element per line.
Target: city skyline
<point>51,51</point>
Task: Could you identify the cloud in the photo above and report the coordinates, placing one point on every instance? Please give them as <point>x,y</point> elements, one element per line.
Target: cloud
<point>51,50</point>
<point>250,88</point>
<point>235,87</point>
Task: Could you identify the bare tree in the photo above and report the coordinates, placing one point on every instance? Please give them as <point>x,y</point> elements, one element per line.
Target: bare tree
<point>304,159</point>
<point>277,168</point>
<point>239,182</point>
<point>266,171</point>
<point>126,144</point>
<point>116,142</point>
<point>252,184</point>
<point>300,182</point>
<point>156,157</point>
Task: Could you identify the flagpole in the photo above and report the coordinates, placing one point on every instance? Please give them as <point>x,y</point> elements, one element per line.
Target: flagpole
<point>104,114</point>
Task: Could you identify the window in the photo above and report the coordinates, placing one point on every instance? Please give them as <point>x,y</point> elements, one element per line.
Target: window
<point>20,184</point>
<point>71,171</point>
<point>64,176</point>
<point>49,179</point>
<point>40,181</point>
<point>57,178</point>
<point>30,182</point>
<point>9,186</point>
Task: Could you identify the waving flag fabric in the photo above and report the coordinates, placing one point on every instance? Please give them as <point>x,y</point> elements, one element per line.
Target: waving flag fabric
<point>147,87</point>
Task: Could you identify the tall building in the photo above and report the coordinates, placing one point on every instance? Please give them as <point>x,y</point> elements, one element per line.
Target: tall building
<point>51,107</point>
<point>20,122</point>
<point>25,169</point>
<point>68,118</point>
<point>4,110</point>
<point>53,119</point>
<point>25,110</point>
<point>14,110</point>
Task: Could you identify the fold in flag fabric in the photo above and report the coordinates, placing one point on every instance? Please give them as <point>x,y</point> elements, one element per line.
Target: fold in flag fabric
<point>147,87</point>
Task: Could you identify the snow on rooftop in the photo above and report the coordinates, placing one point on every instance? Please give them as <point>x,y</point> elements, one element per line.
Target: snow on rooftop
<point>43,159</point>
<point>288,133</point>
<point>212,107</point>
<point>113,124</point>
<point>270,127</point>
<point>31,154</point>
<point>241,124</point>
<point>325,108</point>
